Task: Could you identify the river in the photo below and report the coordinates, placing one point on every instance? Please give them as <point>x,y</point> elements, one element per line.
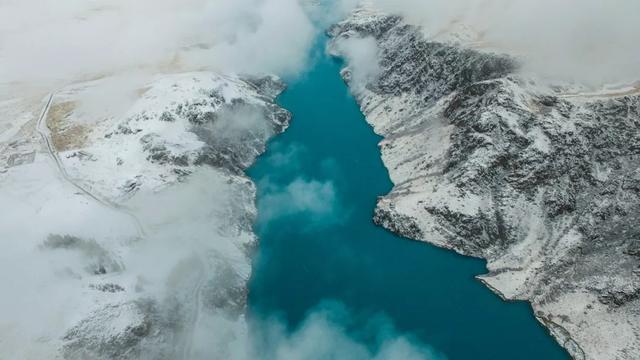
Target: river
<point>317,189</point>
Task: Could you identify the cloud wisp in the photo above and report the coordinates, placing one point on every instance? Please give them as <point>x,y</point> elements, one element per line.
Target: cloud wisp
<point>362,56</point>
<point>49,43</point>
<point>315,199</point>
<point>324,335</point>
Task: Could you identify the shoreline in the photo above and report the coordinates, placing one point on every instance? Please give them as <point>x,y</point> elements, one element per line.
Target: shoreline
<point>557,332</point>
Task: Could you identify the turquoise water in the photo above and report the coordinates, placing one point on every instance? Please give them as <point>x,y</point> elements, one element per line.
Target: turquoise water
<point>318,242</point>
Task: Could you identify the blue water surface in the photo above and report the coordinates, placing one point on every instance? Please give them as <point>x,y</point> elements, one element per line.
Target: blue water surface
<point>317,188</point>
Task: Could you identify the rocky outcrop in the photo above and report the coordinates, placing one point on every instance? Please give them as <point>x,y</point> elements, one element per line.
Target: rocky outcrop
<point>495,164</point>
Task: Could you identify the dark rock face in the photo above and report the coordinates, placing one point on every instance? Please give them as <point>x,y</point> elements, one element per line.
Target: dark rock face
<point>109,288</point>
<point>428,69</point>
<point>238,132</point>
<point>402,225</point>
<point>495,165</point>
<point>269,86</point>
<point>619,298</point>
<point>233,132</point>
<point>96,259</point>
<point>159,153</point>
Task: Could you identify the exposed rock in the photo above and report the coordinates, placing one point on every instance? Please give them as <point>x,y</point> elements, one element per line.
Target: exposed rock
<point>110,288</point>
<point>97,260</point>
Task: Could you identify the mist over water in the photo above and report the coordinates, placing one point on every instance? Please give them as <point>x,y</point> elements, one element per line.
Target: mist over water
<point>333,284</point>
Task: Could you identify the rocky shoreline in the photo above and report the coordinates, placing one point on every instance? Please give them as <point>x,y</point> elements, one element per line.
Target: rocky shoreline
<point>495,164</point>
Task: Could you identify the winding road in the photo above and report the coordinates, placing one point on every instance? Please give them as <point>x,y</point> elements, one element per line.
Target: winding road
<point>45,133</point>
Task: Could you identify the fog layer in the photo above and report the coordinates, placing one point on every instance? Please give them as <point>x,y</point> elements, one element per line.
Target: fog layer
<point>592,41</point>
<point>48,41</point>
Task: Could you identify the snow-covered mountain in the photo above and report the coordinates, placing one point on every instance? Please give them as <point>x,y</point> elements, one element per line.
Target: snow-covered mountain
<point>542,181</point>
<point>139,221</point>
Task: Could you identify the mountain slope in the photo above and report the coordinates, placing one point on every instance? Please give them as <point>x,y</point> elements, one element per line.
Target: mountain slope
<point>494,164</point>
<point>141,218</point>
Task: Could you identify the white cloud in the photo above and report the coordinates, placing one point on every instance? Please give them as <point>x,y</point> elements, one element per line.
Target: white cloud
<point>53,42</point>
<point>323,335</point>
<point>588,40</point>
<point>315,198</point>
<point>362,56</point>
<point>328,12</point>
<point>285,158</point>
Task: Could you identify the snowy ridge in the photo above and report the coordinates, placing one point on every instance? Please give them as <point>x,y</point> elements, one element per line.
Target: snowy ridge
<point>164,135</point>
<point>492,163</point>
